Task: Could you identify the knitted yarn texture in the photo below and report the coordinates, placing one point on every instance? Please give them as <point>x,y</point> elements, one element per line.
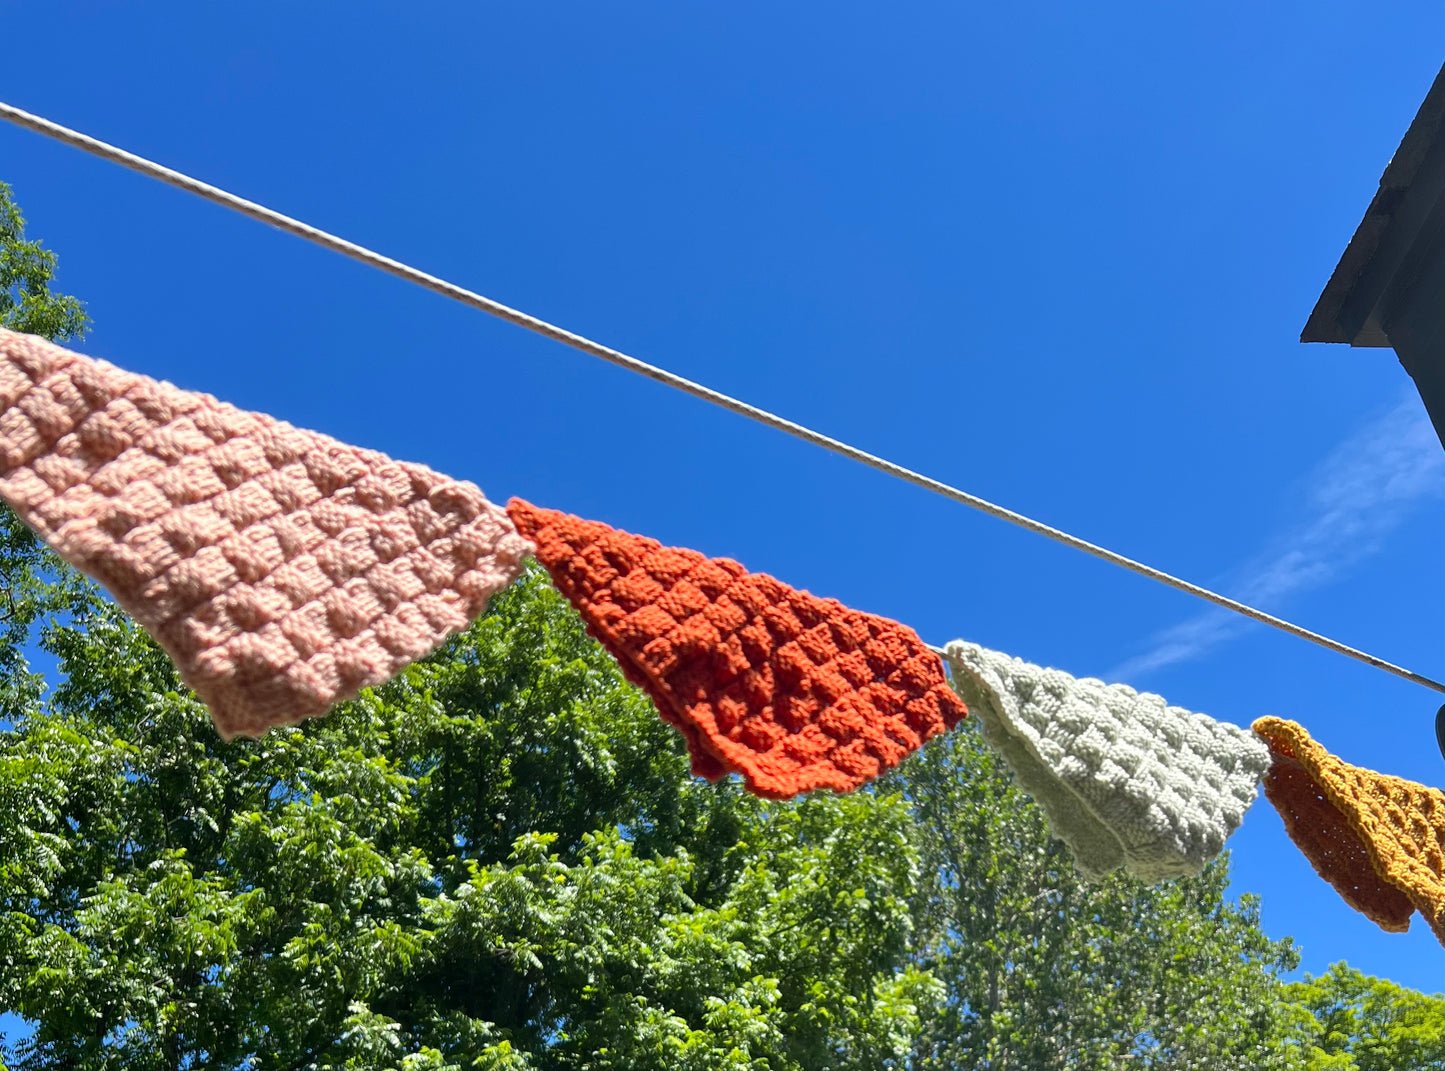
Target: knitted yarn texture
<point>280,569</point>
<point>791,691</point>
<point>1379,840</point>
<point>1125,778</point>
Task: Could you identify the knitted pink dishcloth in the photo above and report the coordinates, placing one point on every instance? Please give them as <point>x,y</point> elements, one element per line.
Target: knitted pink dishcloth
<point>280,569</point>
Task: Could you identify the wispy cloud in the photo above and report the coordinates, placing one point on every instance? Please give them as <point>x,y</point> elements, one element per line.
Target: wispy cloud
<point>1352,501</point>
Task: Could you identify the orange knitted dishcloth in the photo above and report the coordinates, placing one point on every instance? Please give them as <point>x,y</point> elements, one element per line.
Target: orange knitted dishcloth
<point>791,691</point>
<point>280,569</point>
<point>1379,840</point>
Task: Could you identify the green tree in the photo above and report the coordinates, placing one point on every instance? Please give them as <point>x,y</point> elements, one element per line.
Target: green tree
<point>1044,971</point>
<point>496,860</point>
<point>32,581</point>
<point>26,271</point>
<point>1349,1021</point>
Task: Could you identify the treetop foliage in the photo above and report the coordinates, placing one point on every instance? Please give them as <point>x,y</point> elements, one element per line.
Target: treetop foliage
<point>26,270</point>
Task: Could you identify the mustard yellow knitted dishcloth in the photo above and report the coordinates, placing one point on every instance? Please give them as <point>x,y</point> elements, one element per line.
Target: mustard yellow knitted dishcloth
<point>1379,840</point>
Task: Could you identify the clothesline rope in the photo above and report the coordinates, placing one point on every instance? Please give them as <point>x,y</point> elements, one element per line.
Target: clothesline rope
<point>360,253</point>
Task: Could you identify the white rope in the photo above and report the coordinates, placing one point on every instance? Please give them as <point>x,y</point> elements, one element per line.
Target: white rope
<point>661,375</point>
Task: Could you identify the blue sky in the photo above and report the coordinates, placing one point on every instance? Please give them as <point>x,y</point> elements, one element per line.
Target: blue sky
<point>1057,256</point>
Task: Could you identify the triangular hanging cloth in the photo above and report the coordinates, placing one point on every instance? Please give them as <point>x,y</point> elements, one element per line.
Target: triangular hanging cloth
<point>1379,840</point>
<point>1126,779</point>
<point>280,569</point>
<point>791,691</point>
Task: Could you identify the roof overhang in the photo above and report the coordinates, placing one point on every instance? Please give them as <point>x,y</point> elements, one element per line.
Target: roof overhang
<point>1389,286</point>
<point>1402,227</point>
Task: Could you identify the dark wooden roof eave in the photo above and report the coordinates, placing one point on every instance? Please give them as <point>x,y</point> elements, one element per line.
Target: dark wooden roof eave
<point>1405,205</point>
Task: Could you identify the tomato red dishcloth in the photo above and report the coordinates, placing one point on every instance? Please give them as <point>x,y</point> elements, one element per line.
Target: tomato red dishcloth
<point>791,691</point>
<point>1379,840</point>
<point>280,569</point>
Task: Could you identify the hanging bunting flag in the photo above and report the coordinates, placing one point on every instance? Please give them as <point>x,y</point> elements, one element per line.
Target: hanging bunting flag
<point>791,691</point>
<point>1126,779</point>
<point>280,569</point>
<point>1379,840</point>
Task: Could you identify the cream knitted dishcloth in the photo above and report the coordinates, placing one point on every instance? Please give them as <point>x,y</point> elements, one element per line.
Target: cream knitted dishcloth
<point>280,569</point>
<point>1126,779</point>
